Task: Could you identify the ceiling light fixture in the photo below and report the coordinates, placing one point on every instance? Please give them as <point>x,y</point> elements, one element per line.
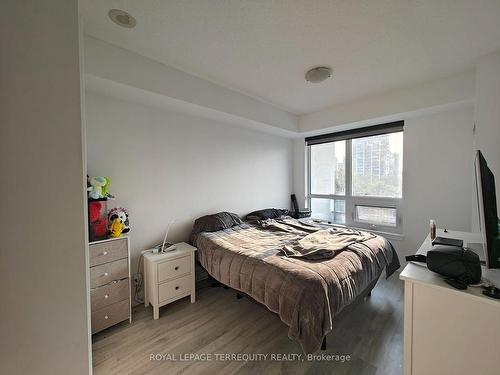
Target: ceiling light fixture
<point>318,74</point>
<point>122,18</point>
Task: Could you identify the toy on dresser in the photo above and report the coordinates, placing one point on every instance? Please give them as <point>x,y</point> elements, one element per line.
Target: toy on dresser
<point>98,187</point>
<point>98,195</point>
<point>118,222</point>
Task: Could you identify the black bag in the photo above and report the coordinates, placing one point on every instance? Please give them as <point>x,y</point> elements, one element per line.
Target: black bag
<point>453,263</point>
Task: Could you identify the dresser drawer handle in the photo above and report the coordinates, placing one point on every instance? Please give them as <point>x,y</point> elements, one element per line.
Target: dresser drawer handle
<point>104,253</point>
<point>176,268</point>
<point>176,287</point>
<point>106,296</point>
<point>105,274</point>
<point>106,317</point>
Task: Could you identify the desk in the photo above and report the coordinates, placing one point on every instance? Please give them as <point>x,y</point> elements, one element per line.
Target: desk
<point>449,331</point>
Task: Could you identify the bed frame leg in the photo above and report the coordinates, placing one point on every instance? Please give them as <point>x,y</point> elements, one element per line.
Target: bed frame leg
<point>238,296</point>
<point>212,282</point>
<point>323,344</point>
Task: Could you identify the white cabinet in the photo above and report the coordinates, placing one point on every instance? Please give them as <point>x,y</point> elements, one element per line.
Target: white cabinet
<point>449,331</point>
<point>109,282</point>
<point>169,276</point>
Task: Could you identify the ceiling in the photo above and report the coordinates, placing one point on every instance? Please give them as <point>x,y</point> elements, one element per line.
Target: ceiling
<point>263,48</point>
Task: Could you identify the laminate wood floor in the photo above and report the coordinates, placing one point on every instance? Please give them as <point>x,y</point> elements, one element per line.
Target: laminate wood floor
<point>371,333</point>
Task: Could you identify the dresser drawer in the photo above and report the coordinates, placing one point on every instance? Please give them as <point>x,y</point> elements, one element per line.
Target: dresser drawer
<point>108,294</point>
<point>174,288</point>
<point>105,273</point>
<point>110,315</point>
<point>171,269</point>
<point>107,252</point>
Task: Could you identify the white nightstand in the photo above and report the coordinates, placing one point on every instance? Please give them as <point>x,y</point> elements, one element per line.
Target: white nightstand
<point>169,276</point>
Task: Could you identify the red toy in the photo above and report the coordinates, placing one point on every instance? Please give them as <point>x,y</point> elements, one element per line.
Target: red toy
<point>98,221</point>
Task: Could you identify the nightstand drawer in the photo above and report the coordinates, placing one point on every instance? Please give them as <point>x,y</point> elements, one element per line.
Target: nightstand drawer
<point>171,269</point>
<point>107,252</point>
<point>174,288</point>
<point>110,315</point>
<point>103,296</point>
<point>105,273</point>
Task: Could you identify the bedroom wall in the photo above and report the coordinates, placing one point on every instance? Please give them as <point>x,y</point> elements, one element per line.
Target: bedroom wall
<point>438,174</point>
<point>130,75</point>
<point>165,165</point>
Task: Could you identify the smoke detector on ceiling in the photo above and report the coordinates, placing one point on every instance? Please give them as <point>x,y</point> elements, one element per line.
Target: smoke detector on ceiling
<point>318,74</point>
<point>122,18</point>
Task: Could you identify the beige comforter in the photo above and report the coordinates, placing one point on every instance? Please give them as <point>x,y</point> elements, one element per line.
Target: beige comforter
<point>306,294</point>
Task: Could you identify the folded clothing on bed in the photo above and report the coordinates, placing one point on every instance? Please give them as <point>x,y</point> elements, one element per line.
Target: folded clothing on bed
<point>326,243</point>
<point>290,225</point>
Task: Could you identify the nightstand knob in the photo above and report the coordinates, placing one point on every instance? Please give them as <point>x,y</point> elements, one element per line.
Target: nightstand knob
<point>106,317</point>
<point>106,274</point>
<point>176,287</point>
<point>104,253</point>
<point>176,268</point>
<point>106,296</point>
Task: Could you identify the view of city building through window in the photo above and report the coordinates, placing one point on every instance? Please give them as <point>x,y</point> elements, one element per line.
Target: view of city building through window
<point>377,166</point>
<point>357,181</point>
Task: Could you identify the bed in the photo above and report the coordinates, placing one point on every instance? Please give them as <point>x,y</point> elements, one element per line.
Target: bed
<point>305,293</point>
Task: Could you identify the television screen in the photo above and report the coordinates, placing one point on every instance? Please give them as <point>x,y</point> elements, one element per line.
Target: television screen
<point>488,217</point>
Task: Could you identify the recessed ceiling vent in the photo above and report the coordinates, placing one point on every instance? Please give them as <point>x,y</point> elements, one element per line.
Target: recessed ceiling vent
<point>318,74</point>
<point>122,18</point>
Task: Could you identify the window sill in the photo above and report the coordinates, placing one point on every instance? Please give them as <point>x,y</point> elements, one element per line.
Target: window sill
<point>388,235</point>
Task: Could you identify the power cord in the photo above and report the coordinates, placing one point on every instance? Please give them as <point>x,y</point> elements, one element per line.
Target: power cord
<point>139,281</point>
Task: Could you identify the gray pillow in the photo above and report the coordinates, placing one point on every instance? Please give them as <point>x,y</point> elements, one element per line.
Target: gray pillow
<point>267,213</point>
<point>215,222</point>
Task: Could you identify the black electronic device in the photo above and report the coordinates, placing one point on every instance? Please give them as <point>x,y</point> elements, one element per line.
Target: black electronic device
<point>416,258</point>
<point>488,214</point>
<point>447,242</point>
<point>492,292</point>
<point>457,284</point>
<point>298,213</point>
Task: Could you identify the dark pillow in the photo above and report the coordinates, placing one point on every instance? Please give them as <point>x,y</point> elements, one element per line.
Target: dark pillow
<point>268,213</point>
<point>215,222</point>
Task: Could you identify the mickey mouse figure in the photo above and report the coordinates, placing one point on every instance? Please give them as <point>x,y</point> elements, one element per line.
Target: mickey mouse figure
<point>118,222</point>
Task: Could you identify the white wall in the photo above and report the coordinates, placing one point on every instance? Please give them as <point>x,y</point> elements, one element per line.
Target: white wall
<point>299,171</point>
<point>437,174</point>
<point>487,115</point>
<point>188,93</point>
<point>165,165</point>
<point>392,105</point>
<point>43,313</point>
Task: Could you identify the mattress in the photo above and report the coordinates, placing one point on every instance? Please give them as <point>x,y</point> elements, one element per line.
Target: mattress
<point>306,294</point>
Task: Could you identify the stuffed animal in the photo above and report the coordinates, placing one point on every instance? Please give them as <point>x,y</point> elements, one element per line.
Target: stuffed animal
<point>116,228</point>
<point>96,185</point>
<point>105,193</point>
<point>119,223</point>
<point>97,220</point>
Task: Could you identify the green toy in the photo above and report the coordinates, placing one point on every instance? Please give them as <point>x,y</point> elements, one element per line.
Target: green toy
<point>105,187</point>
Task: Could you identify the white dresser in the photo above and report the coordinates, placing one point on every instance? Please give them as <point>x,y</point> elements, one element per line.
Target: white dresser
<point>109,282</point>
<point>449,331</point>
<point>169,276</point>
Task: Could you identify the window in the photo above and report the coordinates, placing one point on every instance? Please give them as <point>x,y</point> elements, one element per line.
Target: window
<point>356,177</point>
